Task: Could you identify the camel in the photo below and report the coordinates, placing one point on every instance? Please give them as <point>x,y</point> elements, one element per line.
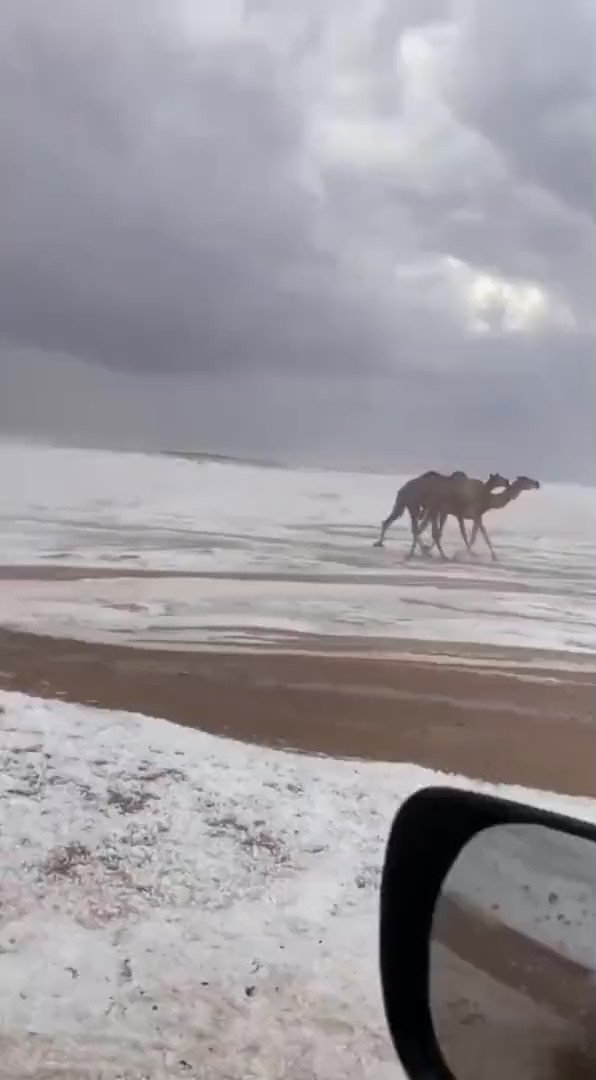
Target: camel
<point>464,499</point>
<point>463,503</point>
<point>431,492</point>
<point>414,497</point>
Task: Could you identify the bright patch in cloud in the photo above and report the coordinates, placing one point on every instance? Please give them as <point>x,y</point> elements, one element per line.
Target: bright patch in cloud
<point>497,305</point>
<point>483,303</point>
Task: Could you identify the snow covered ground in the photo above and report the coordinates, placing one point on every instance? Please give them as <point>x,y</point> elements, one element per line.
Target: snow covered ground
<point>87,508</point>
<point>190,612</point>
<point>177,905</point>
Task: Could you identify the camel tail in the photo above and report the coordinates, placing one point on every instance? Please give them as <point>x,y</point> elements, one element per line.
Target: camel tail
<point>400,504</point>
<point>398,508</point>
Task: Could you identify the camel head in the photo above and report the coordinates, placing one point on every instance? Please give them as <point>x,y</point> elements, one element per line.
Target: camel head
<point>495,480</point>
<point>525,483</point>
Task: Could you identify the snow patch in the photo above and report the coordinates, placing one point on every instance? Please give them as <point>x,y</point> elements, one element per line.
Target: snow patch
<point>91,508</point>
<point>178,905</point>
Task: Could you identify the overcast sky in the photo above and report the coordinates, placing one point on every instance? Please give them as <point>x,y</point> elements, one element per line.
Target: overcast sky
<point>354,232</point>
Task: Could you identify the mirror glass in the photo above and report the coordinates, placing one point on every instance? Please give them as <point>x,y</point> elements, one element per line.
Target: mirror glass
<point>513,957</point>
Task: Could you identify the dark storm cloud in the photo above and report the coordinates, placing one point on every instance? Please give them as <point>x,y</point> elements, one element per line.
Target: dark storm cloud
<point>288,205</point>
<point>527,78</point>
<point>148,216</point>
<point>155,219</point>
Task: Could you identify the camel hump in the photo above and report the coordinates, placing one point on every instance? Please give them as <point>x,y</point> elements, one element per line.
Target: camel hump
<point>412,484</point>
<point>497,480</point>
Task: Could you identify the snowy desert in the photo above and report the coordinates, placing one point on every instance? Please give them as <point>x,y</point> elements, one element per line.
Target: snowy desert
<point>263,554</point>
<point>202,900</point>
<point>179,905</point>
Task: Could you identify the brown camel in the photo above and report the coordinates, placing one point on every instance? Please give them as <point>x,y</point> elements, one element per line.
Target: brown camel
<point>465,498</point>
<point>473,509</point>
<point>414,497</point>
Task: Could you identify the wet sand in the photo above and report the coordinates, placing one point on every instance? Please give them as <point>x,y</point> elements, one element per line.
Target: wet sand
<point>508,723</point>
<point>68,572</point>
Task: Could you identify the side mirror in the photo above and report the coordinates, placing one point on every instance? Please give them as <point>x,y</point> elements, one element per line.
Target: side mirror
<point>488,940</point>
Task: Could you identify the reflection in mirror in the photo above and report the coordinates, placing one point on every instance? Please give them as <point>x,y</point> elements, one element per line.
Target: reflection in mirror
<point>513,957</point>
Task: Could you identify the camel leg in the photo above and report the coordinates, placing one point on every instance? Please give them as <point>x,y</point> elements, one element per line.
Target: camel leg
<point>384,526</point>
<point>437,536</point>
<point>423,521</point>
<point>413,544</point>
<point>442,518</point>
<point>420,519</point>
<point>493,553</point>
<point>393,516</point>
<point>418,524</point>
<point>462,529</point>
<point>473,537</point>
<point>415,539</point>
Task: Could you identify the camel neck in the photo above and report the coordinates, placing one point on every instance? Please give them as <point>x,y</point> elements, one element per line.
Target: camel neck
<point>501,498</point>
